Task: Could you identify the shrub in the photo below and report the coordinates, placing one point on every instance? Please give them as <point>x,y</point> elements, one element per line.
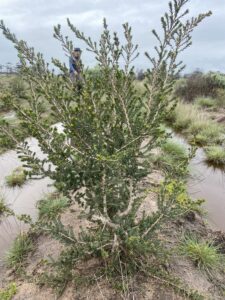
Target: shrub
<point>19,251</point>
<point>220,98</point>
<point>8,292</point>
<point>99,159</point>
<point>204,255</point>
<point>205,102</point>
<point>17,178</point>
<point>52,206</point>
<point>198,84</point>
<point>215,155</point>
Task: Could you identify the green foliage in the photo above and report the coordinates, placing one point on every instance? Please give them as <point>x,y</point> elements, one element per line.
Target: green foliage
<point>203,253</point>
<point>17,178</point>
<point>215,155</point>
<point>19,251</point>
<point>205,102</point>
<point>51,206</point>
<point>8,292</point>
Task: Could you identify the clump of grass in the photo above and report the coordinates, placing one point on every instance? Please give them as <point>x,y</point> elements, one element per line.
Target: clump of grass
<point>196,127</point>
<point>205,102</point>
<point>17,178</point>
<point>184,116</point>
<point>8,292</point>
<point>215,155</point>
<point>51,206</point>
<point>203,253</point>
<point>21,247</point>
<point>211,134</point>
<point>171,154</point>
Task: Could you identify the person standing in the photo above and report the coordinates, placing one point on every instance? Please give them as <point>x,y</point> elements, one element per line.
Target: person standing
<point>75,65</point>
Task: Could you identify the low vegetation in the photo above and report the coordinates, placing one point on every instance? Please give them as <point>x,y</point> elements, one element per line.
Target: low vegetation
<point>8,292</point>
<point>4,209</point>
<point>169,156</point>
<point>197,128</point>
<point>204,254</point>
<point>205,102</point>
<point>20,249</point>
<point>52,205</point>
<point>215,155</point>
<point>17,178</point>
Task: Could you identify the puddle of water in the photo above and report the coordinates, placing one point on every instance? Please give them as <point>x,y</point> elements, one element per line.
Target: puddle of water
<point>207,183</point>
<point>22,200</point>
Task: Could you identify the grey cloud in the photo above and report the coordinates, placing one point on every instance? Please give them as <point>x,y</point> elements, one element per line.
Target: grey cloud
<point>33,21</point>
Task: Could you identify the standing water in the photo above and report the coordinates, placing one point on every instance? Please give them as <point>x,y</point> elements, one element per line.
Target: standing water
<point>208,183</point>
<point>21,200</point>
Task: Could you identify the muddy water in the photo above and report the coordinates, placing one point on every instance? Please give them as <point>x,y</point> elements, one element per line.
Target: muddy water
<point>207,183</point>
<point>22,200</point>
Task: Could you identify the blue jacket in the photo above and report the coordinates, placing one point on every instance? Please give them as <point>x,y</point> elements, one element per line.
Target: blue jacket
<point>74,65</point>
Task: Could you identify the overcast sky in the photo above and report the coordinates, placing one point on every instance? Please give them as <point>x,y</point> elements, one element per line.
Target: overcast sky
<point>33,21</point>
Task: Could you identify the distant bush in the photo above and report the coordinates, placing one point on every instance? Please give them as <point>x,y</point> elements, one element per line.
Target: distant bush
<point>198,84</point>
<point>18,88</point>
<point>5,98</point>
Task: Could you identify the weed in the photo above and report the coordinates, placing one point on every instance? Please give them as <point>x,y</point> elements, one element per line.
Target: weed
<point>17,178</point>
<point>52,206</point>
<point>203,253</point>
<point>19,250</point>
<point>8,292</point>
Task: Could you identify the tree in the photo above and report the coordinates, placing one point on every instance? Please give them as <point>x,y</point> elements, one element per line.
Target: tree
<point>100,158</point>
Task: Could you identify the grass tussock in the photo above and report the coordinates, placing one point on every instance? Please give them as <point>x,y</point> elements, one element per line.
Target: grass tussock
<point>215,155</point>
<point>205,102</point>
<point>172,153</point>
<point>197,128</point>
<point>21,247</point>
<point>51,206</point>
<point>204,254</point>
<point>17,178</point>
